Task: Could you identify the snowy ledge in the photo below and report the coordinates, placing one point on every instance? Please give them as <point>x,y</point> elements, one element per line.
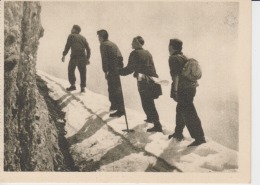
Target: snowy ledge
<point>97,142</point>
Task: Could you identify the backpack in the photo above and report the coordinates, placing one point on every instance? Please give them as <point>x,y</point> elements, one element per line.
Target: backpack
<point>192,70</point>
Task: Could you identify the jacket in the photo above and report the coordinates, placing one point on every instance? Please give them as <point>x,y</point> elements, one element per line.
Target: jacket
<point>78,44</point>
<point>176,63</point>
<point>112,59</point>
<point>140,61</point>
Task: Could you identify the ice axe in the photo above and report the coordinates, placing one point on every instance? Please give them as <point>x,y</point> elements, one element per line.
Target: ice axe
<point>127,128</point>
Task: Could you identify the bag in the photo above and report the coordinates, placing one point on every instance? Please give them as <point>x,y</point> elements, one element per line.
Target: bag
<point>149,86</point>
<point>192,70</point>
<point>156,90</point>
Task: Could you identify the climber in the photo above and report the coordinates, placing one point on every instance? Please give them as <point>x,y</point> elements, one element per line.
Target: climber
<point>112,62</point>
<point>78,58</point>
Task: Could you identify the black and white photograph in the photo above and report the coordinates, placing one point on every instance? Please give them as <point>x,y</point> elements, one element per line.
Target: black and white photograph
<point>160,87</point>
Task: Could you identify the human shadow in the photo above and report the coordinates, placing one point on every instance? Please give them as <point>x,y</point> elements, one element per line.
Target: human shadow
<point>174,152</point>
<point>132,142</point>
<point>119,152</point>
<point>66,102</point>
<point>92,125</point>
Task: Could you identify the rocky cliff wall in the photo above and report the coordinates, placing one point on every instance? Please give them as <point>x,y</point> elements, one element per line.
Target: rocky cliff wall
<point>30,136</point>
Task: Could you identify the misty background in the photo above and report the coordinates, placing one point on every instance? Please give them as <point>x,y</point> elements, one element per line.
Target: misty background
<point>209,31</point>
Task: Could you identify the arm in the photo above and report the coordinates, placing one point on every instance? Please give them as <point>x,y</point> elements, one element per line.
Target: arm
<point>175,67</point>
<point>175,70</point>
<point>120,59</point>
<point>120,62</point>
<point>67,46</point>
<point>175,83</point>
<point>104,57</point>
<point>130,68</point>
<point>88,49</point>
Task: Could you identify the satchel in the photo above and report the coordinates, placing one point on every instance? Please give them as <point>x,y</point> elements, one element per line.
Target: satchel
<point>153,89</point>
<point>156,90</point>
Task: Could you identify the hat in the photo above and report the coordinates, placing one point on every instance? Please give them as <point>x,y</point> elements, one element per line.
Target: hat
<point>140,40</point>
<point>176,44</point>
<point>77,28</point>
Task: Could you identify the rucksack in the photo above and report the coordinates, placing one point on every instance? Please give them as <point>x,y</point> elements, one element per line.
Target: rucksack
<point>192,70</point>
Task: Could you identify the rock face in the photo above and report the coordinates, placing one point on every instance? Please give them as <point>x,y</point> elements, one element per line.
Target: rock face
<point>30,136</point>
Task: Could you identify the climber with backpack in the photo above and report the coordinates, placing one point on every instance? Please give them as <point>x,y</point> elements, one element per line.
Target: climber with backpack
<point>185,72</point>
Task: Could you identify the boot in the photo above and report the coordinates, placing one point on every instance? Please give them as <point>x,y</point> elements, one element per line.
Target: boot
<point>178,137</point>
<point>83,90</point>
<point>157,127</point>
<point>148,120</point>
<point>117,114</point>
<point>197,142</point>
<point>112,108</point>
<point>71,88</point>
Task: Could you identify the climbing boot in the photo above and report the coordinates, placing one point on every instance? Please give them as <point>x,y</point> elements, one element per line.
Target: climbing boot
<point>71,88</point>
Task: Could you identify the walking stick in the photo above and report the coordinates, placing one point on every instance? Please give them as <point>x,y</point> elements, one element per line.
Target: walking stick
<point>127,129</point>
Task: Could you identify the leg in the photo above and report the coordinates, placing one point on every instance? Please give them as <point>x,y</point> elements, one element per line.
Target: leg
<point>152,110</point>
<point>115,94</point>
<point>111,94</point>
<point>142,90</point>
<point>144,105</point>
<point>148,105</point>
<point>71,72</point>
<point>180,124</point>
<point>153,114</point>
<point>190,115</point>
<point>118,98</point>
<point>82,71</point>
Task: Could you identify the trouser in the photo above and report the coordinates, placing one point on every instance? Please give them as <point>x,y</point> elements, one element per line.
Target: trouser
<point>148,104</point>
<point>115,92</point>
<point>186,114</point>
<point>82,71</point>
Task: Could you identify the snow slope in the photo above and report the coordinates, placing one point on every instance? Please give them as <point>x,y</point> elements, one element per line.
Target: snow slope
<point>97,142</point>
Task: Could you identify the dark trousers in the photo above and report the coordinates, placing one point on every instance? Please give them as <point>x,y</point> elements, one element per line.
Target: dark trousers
<point>115,92</point>
<point>82,71</point>
<point>186,114</point>
<point>148,103</point>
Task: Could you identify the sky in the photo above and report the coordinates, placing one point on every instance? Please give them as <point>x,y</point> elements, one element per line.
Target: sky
<point>209,32</point>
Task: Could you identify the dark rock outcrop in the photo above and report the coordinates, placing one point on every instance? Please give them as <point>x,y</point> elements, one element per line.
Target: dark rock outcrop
<point>30,136</point>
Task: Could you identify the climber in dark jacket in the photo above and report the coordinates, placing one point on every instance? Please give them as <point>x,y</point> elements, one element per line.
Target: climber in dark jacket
<point>183,92</point>
<point>78,58</point>
<point>112,61</point>
<point>141,64</point>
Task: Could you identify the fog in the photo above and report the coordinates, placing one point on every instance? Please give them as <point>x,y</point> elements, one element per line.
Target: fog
<point>209,32</point>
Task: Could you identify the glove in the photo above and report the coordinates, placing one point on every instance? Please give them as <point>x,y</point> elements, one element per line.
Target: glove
<point>63,58</point>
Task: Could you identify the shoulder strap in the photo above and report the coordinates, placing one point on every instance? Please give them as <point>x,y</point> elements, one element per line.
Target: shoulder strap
<point>183,58</point>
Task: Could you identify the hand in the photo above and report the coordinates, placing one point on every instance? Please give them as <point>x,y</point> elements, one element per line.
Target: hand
<point>175,96</point>
<point>63,58</point>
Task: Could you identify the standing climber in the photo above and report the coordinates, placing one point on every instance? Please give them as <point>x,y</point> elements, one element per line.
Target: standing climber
<point>112,61</point>
<point>141,64</point>
<point>183,92</point>
<point>78,58</point>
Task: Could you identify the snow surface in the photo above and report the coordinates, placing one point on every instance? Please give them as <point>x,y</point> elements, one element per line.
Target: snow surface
<point>97,142</point>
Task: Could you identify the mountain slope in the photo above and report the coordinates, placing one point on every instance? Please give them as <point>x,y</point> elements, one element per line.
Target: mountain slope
<point>97,142</point>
